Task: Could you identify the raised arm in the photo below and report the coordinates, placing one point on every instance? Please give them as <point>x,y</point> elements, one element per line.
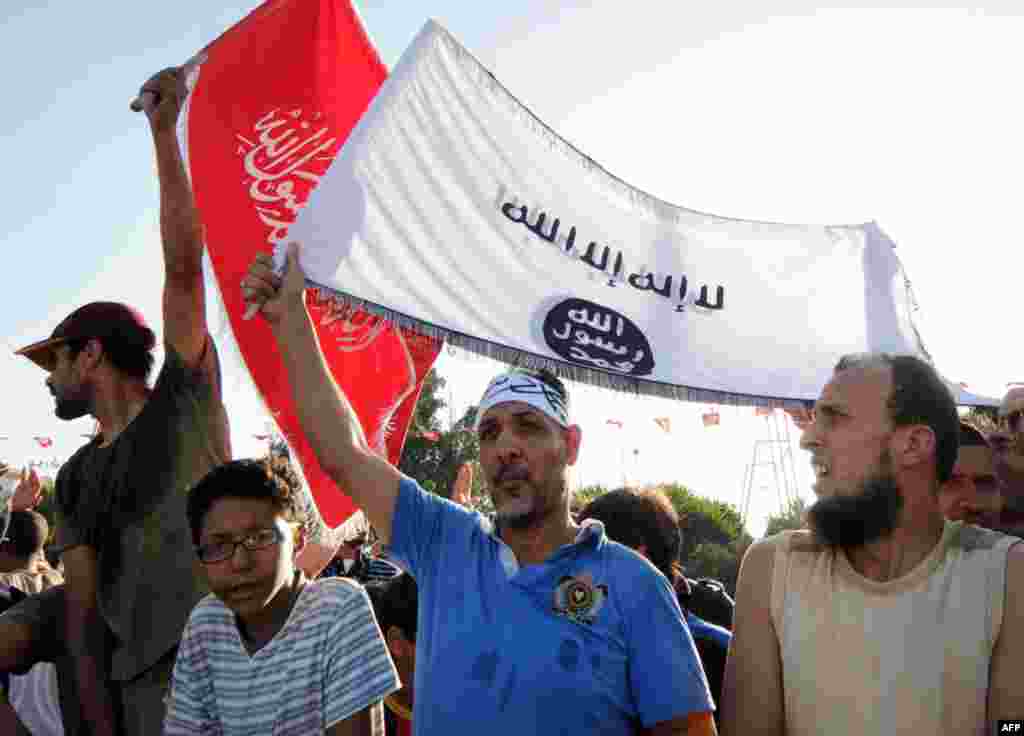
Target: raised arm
<point>752,698</point>
<point>180,229</point>
<point>327,418</point>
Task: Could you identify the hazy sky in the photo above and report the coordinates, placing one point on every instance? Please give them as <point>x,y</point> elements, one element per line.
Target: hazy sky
<point>777,110</point>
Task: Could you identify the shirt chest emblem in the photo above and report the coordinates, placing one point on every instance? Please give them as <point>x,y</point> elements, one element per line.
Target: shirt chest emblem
<point>579,598</point>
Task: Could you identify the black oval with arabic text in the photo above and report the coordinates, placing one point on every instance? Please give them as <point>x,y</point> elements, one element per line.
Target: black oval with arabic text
<point>594,336</point>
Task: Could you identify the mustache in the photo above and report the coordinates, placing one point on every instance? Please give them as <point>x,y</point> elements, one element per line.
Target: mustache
<point>511,472</point>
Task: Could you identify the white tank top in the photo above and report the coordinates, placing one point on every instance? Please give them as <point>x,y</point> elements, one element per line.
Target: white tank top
<point>904,656</point>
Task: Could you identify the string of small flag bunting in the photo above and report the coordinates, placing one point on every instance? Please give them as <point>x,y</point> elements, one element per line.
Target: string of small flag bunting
<point>712,418</point>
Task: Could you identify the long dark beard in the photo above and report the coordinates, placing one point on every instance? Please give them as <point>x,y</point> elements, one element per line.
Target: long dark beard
<point>853,521</point>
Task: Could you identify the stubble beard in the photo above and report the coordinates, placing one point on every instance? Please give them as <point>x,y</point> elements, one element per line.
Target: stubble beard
<point>539,511</point>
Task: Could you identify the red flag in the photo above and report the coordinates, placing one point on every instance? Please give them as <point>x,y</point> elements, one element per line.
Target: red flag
<point>44,441</point>
<point>711,419</point>
<point>664,422</point>
<point>615,423</point>
<point>272,103</point>
<point>431,436</point>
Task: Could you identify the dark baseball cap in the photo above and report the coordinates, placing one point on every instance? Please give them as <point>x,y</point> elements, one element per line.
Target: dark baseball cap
<point>109,320</point>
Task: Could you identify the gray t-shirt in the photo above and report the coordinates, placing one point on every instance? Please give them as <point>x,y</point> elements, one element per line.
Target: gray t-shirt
<point>128,502</point>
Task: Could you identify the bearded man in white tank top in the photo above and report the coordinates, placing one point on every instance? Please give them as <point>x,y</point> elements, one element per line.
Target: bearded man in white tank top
<point>881,618</point>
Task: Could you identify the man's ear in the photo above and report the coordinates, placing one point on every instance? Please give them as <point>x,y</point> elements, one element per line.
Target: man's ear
<point>914,445</point>
<point>91,355</point>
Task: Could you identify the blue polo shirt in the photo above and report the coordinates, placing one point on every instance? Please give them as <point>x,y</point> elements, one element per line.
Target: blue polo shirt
<point>591,641</point>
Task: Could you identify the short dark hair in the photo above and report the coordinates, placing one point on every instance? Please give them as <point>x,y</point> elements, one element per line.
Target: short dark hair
<point>636,517</point>
<point>27,533</point>
<point>395,603</point>
<point>971,436</point>
<point>134,357</point>
<point>919,396</point>
<point>267,479</point>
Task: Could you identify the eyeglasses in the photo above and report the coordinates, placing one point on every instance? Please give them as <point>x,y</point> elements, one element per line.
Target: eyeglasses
<point>220,551</point>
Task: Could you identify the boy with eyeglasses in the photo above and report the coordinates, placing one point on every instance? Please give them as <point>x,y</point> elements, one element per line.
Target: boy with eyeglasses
<point>270,652</point>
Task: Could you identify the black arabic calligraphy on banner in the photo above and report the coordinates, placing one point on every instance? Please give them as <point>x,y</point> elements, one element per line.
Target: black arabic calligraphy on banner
<point>641,281</point>
<point>595,336</point>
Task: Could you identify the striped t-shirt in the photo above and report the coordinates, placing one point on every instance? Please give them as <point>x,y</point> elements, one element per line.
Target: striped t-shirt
<point>327,663</point>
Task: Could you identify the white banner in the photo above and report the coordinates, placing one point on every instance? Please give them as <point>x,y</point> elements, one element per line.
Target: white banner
<point>451,206</point>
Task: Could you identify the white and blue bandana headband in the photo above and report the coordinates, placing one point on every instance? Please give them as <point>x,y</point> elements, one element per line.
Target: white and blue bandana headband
<point>519,386</point>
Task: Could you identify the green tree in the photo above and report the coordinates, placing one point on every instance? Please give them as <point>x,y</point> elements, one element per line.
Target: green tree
<point>584,495</point>
<point>432,455</point>
<point>705,520</point>
<point>717,561</point>
<point>791,517</point>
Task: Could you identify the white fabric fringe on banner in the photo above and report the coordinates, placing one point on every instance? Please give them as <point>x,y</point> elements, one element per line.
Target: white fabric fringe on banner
<point>451,209</point>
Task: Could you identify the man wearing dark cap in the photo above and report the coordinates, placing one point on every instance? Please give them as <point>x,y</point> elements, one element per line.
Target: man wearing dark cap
<point>121,498</point>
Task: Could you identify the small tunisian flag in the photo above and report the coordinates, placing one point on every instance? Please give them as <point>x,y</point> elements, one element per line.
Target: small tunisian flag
<point>44,441</point>
<point>272,100</point>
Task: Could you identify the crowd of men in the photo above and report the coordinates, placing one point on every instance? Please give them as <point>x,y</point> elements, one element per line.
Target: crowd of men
<point>189,600</point>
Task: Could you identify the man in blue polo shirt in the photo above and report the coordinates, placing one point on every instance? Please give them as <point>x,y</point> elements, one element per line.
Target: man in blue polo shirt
<point>534,626</point>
